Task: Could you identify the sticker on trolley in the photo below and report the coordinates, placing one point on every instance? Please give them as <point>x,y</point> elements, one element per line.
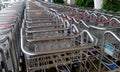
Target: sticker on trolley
<point>109,49</point>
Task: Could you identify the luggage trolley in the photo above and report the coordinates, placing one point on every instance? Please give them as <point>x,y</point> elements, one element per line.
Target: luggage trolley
<point>98,31</point>
<point>110,46</point>
<point>113,26</point>
<point>110,52</point>
<point>96,27</point>
<point>103,19</point>
<point>51,54</point>
<point>46,49</point>
<point>84,39</point>
<point>94,61</point>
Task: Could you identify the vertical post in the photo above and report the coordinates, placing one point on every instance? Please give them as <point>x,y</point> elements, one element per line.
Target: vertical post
<point>98,4</point>
<point>70,2</point>
<point>101,52</point>
<point>51,0</point>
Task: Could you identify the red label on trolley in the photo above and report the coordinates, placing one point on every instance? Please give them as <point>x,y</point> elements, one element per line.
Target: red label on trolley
<point>10,16</point>
<point>64,18</point>
<point>114,24</point>
<point>98,20</point>
<point>83,14</point>
<point>77,18</point>
<point>38,12</point>
<point>5,25</point>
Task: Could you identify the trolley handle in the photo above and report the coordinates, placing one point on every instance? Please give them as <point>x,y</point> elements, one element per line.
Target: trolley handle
<point>2,40</point>
<point>82,22</point>
<point>74,28</point>
<point>114,35</point>
<point>106,20</point>
<point>86,13</point>
<point>114,22</point>
<point>110,32</point>
<point>74,20</point>
<point>89,34</point>
<point>92,15</point>
<point>66,24</point>
<point>98,28</point>
<point>32,53</point>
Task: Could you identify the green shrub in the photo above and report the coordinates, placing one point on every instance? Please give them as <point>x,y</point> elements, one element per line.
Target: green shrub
<point>80,3</point>
<point>85,3</point>
<point>113,5</point>
<point>89,3</point>
<point>58,1</point>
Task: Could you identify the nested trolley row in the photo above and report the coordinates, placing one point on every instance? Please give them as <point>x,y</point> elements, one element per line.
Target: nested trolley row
<point>10,23</point>
<point>58,38</point>
<point>74,42</point>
